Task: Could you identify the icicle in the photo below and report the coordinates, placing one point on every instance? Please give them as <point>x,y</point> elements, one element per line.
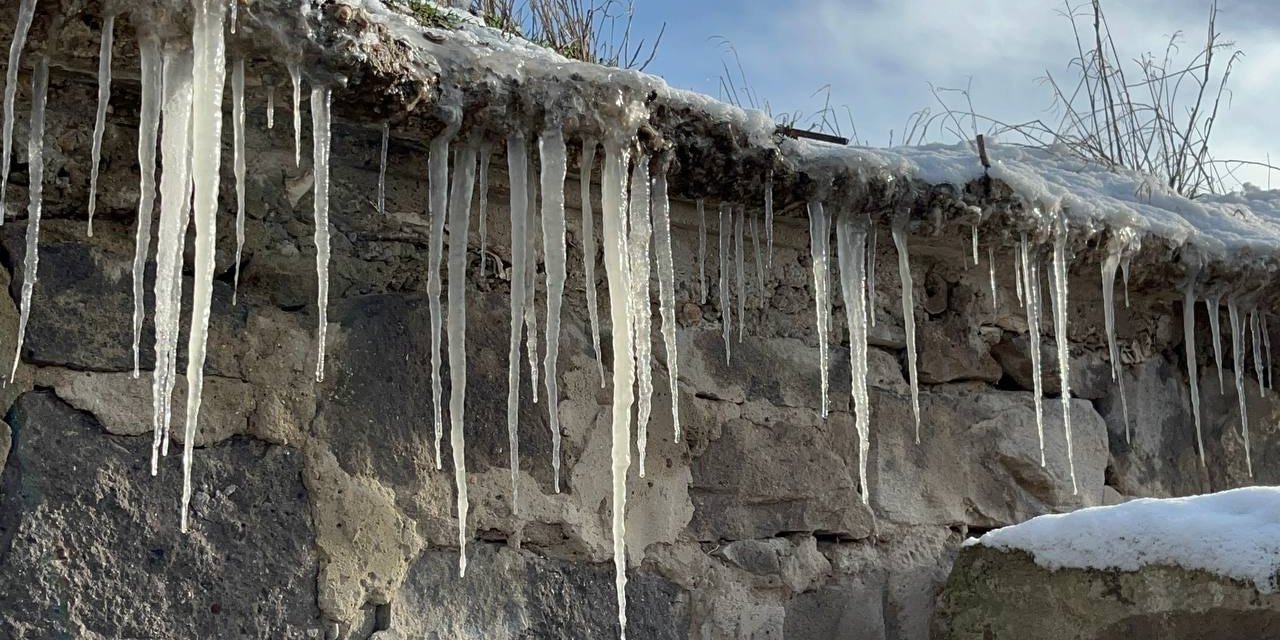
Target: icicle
<point>638,246</point>
<point>26,11</point>
<point>271,106</point>
<point>208,74</point>
<point>991,267</point>
<point>382,182</point>
<point>702,253</point>
<point>755,246</point>
<point>437,206</point>
<point>148,126</point>
<point>175,185</point>
<point>726,314</point>
<point>589,248</point>
<point>1063,340</point>
<point>667,288</point>
<point>975,244</point>
<point>1266,344</point>
<point>1109,264</point>
<point>1189,339</point>
<point>551,148</point>
<point>237,122</point>
<point>615,262</point>
<point>1213,305</point>
<point>486,154</point>
<point>768,215</point>
<point>819,248</point>
<point>871,273</point>
<point>100,120</point>
<point>235,6</point>
<point>908,316</point>
<point>35,167</point>
<point>320,142</point>
<point>464,175</point>
<point>851,243</point>
<point>1031,288</point>
<point>1237,350</point>
<point>1257,352</point>
<point>531,282</point>
<point>740,270</point>
<point>1124,269</point>
<point>517,170</point>
<point>1017,275</point>
<point>295,76</point>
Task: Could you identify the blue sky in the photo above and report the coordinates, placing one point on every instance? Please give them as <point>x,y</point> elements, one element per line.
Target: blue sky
<point>879,56</point>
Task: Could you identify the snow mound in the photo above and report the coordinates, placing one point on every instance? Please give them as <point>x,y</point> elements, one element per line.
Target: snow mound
<point>1233,533</point>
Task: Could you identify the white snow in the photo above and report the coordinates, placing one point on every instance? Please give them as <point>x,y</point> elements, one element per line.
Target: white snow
<point>1234,533</point>
<point>100,118</point>
<point>35,160</point>
<point>551,148</point>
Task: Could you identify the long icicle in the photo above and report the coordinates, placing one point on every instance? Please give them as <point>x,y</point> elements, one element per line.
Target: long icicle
<point>768,216</point>
<point>638,239</point>
<point>437,205</point>
<point>100,118</point>
<point>975,244</point>
<point>531,281</point>
<point>755,247</point>
<point>148,127</point>
<point>464,174</point>
<point>740,270</point>
<point>1266,344</point>
<point>518,173</point>
<point>614,226</point>
<point>551,149</point>
<point>208,74</point>
<point>382,177</point>
<point>1031,292</point>
<point>486,156</point>
<point>1189,340</point>
<point>271,105</point>
<point>726,313</point>
<point>320,142</point>
<point>871,272</point>
<point>237,125</point>
<point>1017,276</point>
<point>819,248</point>
<point>1213,305</point>
<point>1114,251</point>
<point>587,163</point>
<point>702,253</point>
<point>667,288</point>
<point>35,162</point>
<point>851,243</point>
<point>991,269</point>
<point>26,11</point>
<point>1257,352</point>
<point>1237,351</point>
<point>908,316</point>
<point>295,77</point>
<point>1063,340</point>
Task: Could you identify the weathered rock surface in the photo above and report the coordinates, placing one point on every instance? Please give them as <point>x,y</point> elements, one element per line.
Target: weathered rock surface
<point>994,594</point>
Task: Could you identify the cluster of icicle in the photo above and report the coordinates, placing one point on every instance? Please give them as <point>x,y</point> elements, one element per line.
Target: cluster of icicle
<point>182,83</point>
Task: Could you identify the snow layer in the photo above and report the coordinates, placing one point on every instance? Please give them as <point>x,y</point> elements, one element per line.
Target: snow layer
<point>1233,533</point>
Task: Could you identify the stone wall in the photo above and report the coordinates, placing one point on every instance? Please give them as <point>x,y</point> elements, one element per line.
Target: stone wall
<point>319,511</point>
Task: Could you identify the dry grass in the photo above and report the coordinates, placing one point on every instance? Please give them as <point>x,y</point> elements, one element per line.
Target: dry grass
<point>596,31</point>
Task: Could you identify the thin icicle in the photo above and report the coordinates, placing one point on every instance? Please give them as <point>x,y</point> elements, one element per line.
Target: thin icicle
<point>1189,339</point>
<point>702,253</point>
<point>209,70</point>
<point>1257,352</point>
<point>35,164</point>
<point>614,228</point>
<point>726,314</point>
<point>851,246</point>
<point>464,175</point>
<point>382,181</point>
<point>320,143</point>
<point>518,174</point>
<point>531,281</point>
<point>975,244</point>
<point>589,248</point>
<point>819,249</point>
<point>1063,340</point>
<point>486,156</point>
<point>991,267</point>
<point>271,106</point>
<point>551,148</point>
<point>100,119</point>
<point>1266,344</point>
<point>871,273</point>
<point>1109,264</point>
<point>175,197</point>
<point>768,215</point>
<point>237,122</point>
<point>437,206</point>
<point>295,76</point>
<point>1212,305</point>
<point>1237,350</point>
<point>235,6</point>
<point>1031,289</point>
<point>667,289</point>
<point>641,231</point>
<point>740,270</point>
<point>908,316</point>
<point>1124,270</point>
<point>148,127</point>
<point>26,11</point>
<point>755,246</point>
<point>1017,275</point>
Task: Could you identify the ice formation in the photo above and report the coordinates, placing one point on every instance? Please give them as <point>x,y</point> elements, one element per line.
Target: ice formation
<point>100,118</point>
<point>1059,299</point>
<point>871,273</point>
<point>531,280</point>
<point>551,148</point>
<point>819,248</point>
<point>382,181</point>
<point>1237,352</point>
<point>35,163</point>
<point>768,216</point>
<point>587,164</point>
<point>908,316</point>
<point>991,272</point>
<point>1213,306</point>
<point>740,271</point>
<point>667,288</point>
<point>1031,292</point>
<point>271,106</point>
<point>641,231</point>
<point>437,202</point>
<point>486,156</point>
<point>26,11</point>
<point>237,123</point>
<point>726,315</point>
<point>702,253</point>
<point>464,174</point>
<point>755,247</point>
<point>1115,250</point>
<point>1257,352</point>
<point>1189,341</point>
<point>148,128</point>
<point>517,172</point>
<point>295,77</point>
<point>974,228</point>
<point>320,136</point>
<point>851,251</point>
